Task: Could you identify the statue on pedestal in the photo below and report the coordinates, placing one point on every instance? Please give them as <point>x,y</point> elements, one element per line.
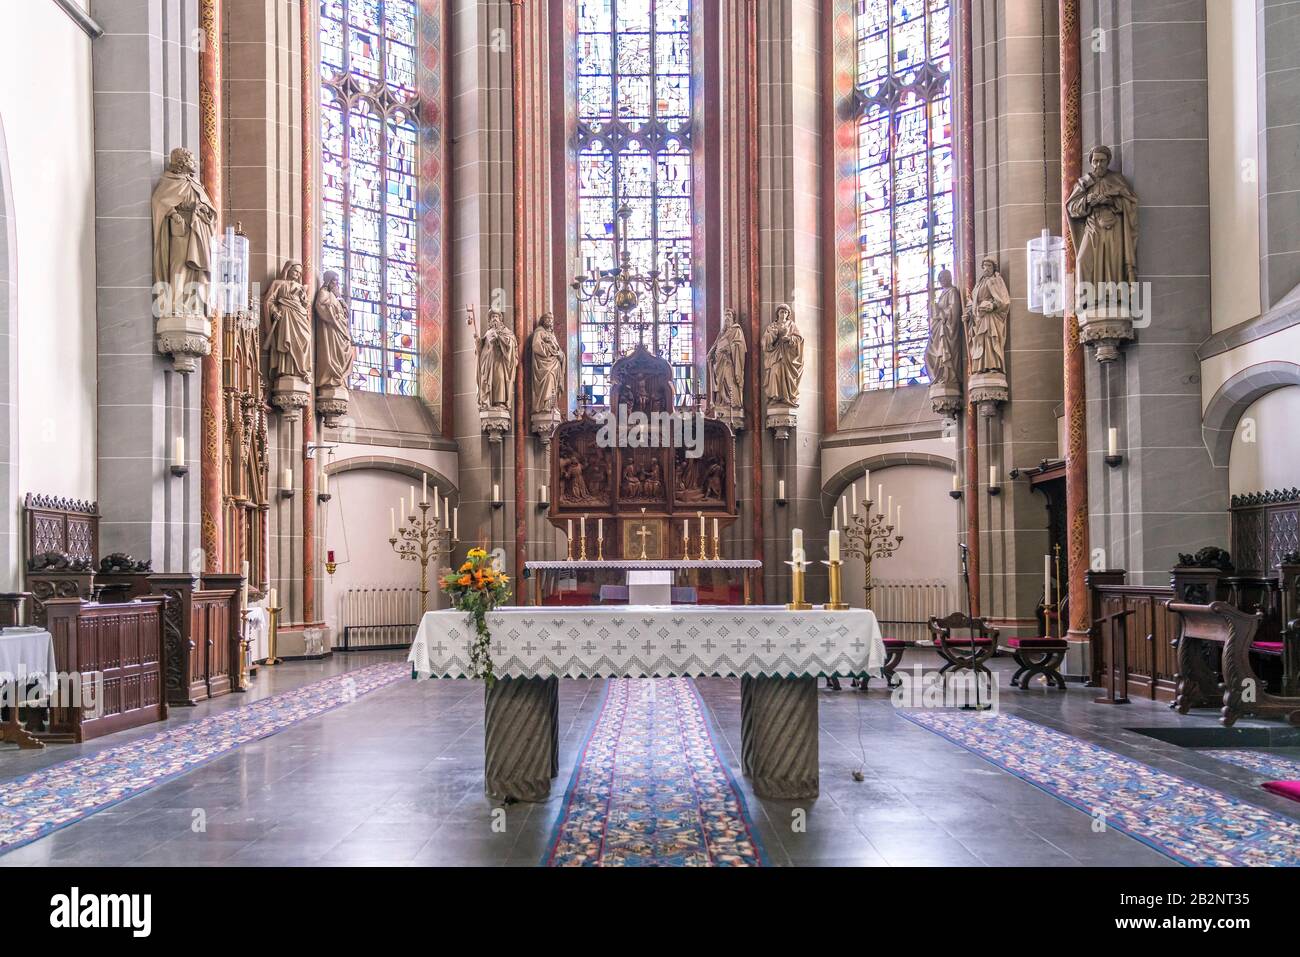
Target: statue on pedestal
<point>498,357</point>
<point>782,368</point>
<point>943,355</point>
<point>987,315</point>
<point>288,319</point>
<point>548,363</point>
<point>727,372</point>
<point>184,221</point>
<point>335,352</point>
<point>1102,211</point>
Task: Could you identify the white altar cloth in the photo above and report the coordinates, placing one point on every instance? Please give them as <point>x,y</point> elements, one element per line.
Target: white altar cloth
<point>26,650</point>
<point>630,641</point>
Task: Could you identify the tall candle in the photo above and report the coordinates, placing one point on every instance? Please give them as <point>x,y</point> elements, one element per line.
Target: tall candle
<point>889,512</point>
<point>715,528</point>
<point>866,485</point>
<point>243,589</point>
<point>286,480</point>
<point>178,452</point>
<point>780,489</point>
<point>412,499</point>
<point>569,533</point>
<point>392,520</point>
<point>583,526</point>
<point>455,523</point>
<point>401,506</point>
<point>855,498</point>
<point>956,482</point>
<point>686,530</point>
<point>435,501</point>
<point>1112,441</point>
<point>796,546</point>
<point>842,517</point>
<point>898,519</point>
<point>496,491</point>
<point>993,476</point>
<point>324,483</point>
<point>701,526</point>
<point>1047,580</point>
<point>600,529</point>
<point>544,496</point>
<point>424,492</point>
<point>835,545</point>
<point>274,600</point>
<point>880,494</point>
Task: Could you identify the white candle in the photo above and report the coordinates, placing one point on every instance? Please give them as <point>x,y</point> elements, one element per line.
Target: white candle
<point>401,506</point>
<point>273,601</point>
<point>889,512</point>
<point>835,545</point>
<point>715,528</point>
<point>392,520</point>
<point>866,485</point>
<point>796,546</point>
<point>496,491</point>
<point>701,526</point>
<point>455,523</point>
<point>1112,442</point>
<point>956,482</point>
<point>569,533</point>
<point>1047,580</point>
<point>178,453</point>
<point>993,476</point>
<point>324,483</point>
<point>898,519</point>
<point>412,499</point>
<point>855,498</point>
<point>287,478</point>
<point>243,591</point>
<point>424,492</point>
<point>780,489</point>
<point>842,514</point>
<point>583,526</point>
<point>600,529</point>
<point>435,501</point>
<point>544,496</point>
<point>686,530</point>
<point>880,494</point>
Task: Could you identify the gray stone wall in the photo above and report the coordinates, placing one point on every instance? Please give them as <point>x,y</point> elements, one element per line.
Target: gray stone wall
<point>146,103</point>
<point>1145,95</point>
<point>1278,24</point>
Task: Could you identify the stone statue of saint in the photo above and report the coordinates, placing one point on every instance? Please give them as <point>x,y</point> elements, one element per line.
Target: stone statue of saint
<point>986,320</point>
<point>183,223</point>
<point>1103,223</point>
<point>335,352</point>
<point>943,354</point>
<point>727,366</point>
<point>782,358</point>
<point>548,363</point>
<point>498,355</point>
<point>288,318</point>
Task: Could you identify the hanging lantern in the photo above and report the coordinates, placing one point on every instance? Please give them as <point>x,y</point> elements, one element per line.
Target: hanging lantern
<point>1045,274</point>
<point>230,260</point>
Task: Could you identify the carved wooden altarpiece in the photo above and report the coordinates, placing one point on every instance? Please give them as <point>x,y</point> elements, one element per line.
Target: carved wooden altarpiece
<point>244,457</point>
<point>615,483</point>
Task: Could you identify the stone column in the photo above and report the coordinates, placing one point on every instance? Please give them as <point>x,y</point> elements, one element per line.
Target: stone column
<point>211,162</point>
<point>146,102</point>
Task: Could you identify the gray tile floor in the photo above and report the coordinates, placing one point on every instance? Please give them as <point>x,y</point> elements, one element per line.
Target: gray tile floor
<point>396,778</point>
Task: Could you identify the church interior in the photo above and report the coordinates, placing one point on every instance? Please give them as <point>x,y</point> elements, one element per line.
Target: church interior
<point>452,433</point>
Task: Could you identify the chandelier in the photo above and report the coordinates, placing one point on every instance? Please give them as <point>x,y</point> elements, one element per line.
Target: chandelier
<point>622,287</point>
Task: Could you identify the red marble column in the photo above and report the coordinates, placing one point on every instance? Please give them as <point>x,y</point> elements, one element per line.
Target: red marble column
<point>750,193</point>
<point>308,76</point>
<point>210,163</point>
<point>966,241</point>
<point>1076,425</point>
<point>520,92</point>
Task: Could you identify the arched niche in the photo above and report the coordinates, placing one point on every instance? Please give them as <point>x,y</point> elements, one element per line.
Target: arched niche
<point>1234,397</point>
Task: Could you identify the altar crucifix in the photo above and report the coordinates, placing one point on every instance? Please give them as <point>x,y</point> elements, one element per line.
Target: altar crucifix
<point>639,467</point>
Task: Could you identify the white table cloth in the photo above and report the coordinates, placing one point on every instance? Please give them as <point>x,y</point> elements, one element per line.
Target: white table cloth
<point>632,641</point>
<point>26,651</point>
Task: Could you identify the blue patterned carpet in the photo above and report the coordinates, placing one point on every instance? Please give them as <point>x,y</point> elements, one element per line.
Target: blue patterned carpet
<point>62,794</point>
<point>1270,767</point>
<point>1186,821</point>
<point>649,788</point>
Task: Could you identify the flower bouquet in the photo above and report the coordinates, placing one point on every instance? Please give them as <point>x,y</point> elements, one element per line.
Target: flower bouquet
<point>476,588</point>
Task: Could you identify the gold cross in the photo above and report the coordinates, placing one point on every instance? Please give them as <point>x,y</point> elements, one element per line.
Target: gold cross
<point>643,533</point>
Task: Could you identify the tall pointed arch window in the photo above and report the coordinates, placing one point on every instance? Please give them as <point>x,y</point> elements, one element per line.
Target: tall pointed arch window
<point>371,113</point>
<point>635,104</point>
<point>904,181</point>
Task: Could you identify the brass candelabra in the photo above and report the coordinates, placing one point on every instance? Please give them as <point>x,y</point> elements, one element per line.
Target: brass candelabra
<point>420,540</point>
<point>869,536</point>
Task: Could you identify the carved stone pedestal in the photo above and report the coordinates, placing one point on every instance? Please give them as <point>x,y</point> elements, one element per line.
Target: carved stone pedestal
<point>290,395</point>
<point>1106,329</point>
<point>495,422</point>
<point>734,419</point>
<point>186,338</point>
<point>778,736</point>
<point>781,418</point>
<point>945,399</point>
<point>332,403</point>
<point>521,740</point>
<point>987,389</point>
<point>544,425</point>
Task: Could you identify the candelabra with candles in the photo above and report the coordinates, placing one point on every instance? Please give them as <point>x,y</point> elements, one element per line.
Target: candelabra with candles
<point>869,536</point>
<point>621,287</point>
<point>423,539</point>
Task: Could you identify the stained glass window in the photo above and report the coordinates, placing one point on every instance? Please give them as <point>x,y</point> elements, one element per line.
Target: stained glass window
<point>635,98</point>
<point>369,129</point>
<point>904,173</point>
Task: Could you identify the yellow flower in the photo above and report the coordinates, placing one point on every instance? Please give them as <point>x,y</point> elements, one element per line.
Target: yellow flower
<point>477,553</point>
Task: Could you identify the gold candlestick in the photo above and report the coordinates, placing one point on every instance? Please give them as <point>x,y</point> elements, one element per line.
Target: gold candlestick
<point>1059,596</point>
<point>836,574</point>
<point>568,548</point>
<point>600,548</point>
<point>582,547</point>
<point>704,544</point>
<point>868,536</point>
<point>686,547</point>
<point>798,602</point>
<point>717,549</point>
<point>422,540</point>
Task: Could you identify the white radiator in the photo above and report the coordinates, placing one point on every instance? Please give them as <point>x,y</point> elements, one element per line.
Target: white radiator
<point>904,608</point>
<point>379,617</point>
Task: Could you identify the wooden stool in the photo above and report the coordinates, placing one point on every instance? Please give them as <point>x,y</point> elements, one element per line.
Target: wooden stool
<point>1038,656</point>
<point>969,652</point>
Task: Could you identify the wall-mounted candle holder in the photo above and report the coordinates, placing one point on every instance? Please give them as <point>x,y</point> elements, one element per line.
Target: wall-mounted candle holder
<point>180,470</point>
<point>323,496</point>
<point>286,493</point>
<point>955,494</point>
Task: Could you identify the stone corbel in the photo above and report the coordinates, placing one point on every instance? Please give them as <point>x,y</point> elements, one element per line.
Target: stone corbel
<point>781,418</point>
<point>332,405</point>
<point>1106,329</point>
<point>544,425</point>
<point>495,423</point>
<point>988,390</point>
<point>290,395</point>
<point>945,399</point>
<point>186,339</point>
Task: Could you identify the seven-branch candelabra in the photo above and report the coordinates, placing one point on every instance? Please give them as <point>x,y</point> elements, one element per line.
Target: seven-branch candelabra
<point>421,539</point>
<point>869,535</point>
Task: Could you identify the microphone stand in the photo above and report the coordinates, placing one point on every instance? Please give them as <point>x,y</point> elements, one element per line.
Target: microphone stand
<point>965,577</point>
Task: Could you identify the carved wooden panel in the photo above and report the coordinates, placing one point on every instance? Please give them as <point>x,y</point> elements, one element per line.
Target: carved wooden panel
<point>1265,527</point>
<point>63,525</point>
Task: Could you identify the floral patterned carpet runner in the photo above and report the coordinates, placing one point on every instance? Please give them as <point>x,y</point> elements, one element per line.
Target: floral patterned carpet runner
<point>1188,822</point>
<point>649,788</point>
<point>62,794</point>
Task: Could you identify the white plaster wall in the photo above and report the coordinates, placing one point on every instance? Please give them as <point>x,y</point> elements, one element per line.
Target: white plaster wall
<point>1266,445</point>
<point>1283,346</point>
<point>46,103</point>
<point>1234,162</point>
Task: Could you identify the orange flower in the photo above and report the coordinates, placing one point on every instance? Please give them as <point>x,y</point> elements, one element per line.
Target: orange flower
<point>463,580</point>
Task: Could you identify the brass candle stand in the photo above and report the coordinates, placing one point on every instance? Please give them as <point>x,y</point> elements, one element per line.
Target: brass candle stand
<point>717,549</point>
<point>273,639</point>
<point>868,536</point>
<point>798,601</point>
<point>686,546</point>
<point>423,539</point>
<point>836,575</point>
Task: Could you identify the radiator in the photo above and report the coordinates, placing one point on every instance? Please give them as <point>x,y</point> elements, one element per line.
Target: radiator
<point>379,617</point>
<point>903,608</point>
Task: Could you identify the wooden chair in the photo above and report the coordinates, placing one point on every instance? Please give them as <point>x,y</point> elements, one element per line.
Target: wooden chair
<point>968,651</point>
<point>1042,655</point>
<point>1241,692</point>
